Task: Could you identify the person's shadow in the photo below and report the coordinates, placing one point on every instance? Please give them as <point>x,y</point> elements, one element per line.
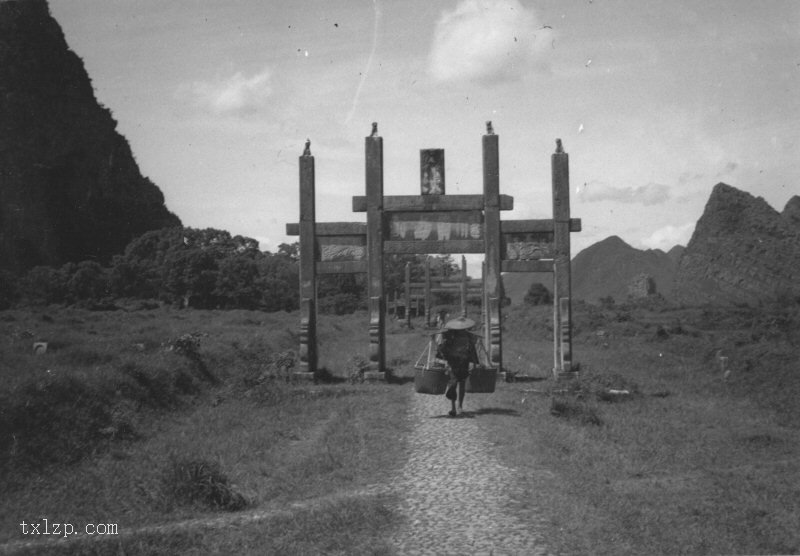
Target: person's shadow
<point>478,412</point>
<point>497,411</point>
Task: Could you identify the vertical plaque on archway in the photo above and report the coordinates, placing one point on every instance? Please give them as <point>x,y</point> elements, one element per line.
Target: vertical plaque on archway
<point>491,215</point>
<point>431,171</point>
<point>374,185</point>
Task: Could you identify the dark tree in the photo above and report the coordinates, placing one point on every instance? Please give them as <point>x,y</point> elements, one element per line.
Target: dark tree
<point>538,294</point>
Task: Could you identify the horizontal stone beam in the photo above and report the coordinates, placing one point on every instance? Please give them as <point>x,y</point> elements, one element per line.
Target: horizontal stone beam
<point>341,267</point>
<point>432,247</point>
<point>470,291</point>
<point>535,226</point>
<point>331,229</point>
<point>455,286</point>
<point>506,226</point>
<point>403,203</point>
<point>414,296</point>
<point>527,266</point>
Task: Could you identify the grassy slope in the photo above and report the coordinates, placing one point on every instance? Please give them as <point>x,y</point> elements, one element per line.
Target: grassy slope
<point>692,463</point>
<point>276,443</point>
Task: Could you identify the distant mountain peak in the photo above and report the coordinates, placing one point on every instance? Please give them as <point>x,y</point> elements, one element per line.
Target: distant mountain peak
<point>610,267</point>
<point>614,241</point>
<point>791,212</point>
<point>676,252</point>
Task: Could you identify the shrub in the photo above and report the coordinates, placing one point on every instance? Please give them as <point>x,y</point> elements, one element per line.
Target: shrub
<point>264,375</point>
<point>188,345</point>
<point>283,364</point>
<point>86,280</point>
<point>341,304</point>
<point>55,419</point>
<point>538,294</point>
<point>607,302</point>
<point>8,289</point>
<point>155,386</point>
<point>199,482</point>
<point>43,285</point>
<point>356,367</point>
<point>574,409</point>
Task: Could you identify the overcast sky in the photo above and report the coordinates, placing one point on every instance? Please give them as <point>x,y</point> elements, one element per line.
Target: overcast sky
<point>655,101</point>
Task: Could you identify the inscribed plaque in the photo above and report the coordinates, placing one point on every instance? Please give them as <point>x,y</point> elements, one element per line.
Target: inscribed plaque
<point>431,162</point>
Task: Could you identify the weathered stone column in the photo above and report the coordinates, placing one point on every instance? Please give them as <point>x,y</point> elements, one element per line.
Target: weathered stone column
<point>428,301</point>
<point>463,287</point>
<point>562,300</point>
<point>408,294</point>
<point>491,216</point>
<point>374,186</point>
<point>308,270</point>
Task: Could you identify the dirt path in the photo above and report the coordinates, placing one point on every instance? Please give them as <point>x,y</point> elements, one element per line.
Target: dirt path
<point>455,494</point>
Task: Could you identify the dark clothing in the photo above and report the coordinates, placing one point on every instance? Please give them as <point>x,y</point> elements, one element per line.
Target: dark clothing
<point>458,349</point>
<point>460,372</point>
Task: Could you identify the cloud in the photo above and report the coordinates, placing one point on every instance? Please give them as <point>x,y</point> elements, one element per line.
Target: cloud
<point>688,177</point>
<point>650,194</point>
<point>729,168</point>
<point>238,95</point>
<point>484,40</point>
<point>669,236</point>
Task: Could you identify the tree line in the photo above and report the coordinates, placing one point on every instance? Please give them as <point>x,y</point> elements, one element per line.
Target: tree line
<point>203,269</point>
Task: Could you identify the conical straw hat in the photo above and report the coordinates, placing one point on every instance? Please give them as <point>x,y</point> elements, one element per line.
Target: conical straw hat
<point>461,323</point>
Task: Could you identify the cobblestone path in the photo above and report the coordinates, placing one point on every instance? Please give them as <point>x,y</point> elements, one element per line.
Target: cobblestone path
<point>454,494</point>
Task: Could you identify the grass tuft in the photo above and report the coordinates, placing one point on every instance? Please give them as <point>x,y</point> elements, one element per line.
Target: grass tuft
<point>356,367</point>
<point>574,409</point>
<point>55,419</point>
<point>199,482</point>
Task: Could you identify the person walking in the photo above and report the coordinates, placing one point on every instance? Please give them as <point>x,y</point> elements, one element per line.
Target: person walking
<point>457,347</point>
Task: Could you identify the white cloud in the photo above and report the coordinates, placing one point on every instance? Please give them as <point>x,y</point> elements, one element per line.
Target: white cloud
<point>238,95</point>
<point>669,236</point>
<point>729,168</point>
<point>650,194</point>
<point>483,40</point>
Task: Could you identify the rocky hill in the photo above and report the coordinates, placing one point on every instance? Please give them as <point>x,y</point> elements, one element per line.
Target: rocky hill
<point>742,251</point>
<point>613,268</point>
<point>676,253</point>
<point>609,267</point>
<point>70,187</point>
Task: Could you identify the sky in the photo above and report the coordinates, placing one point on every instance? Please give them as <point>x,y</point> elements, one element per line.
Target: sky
<point>655,102</point>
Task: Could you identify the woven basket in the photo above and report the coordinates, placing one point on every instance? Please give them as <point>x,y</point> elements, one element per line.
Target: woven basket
<point>431,381</point>
<point>481,380</point>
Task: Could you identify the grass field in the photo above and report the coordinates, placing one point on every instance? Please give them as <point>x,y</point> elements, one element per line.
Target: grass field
<point>153,417</point>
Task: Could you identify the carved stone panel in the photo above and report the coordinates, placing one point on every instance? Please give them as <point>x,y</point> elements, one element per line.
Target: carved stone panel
<point>528,246</point>
<point>342,248</point>
<point>434,226</point>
